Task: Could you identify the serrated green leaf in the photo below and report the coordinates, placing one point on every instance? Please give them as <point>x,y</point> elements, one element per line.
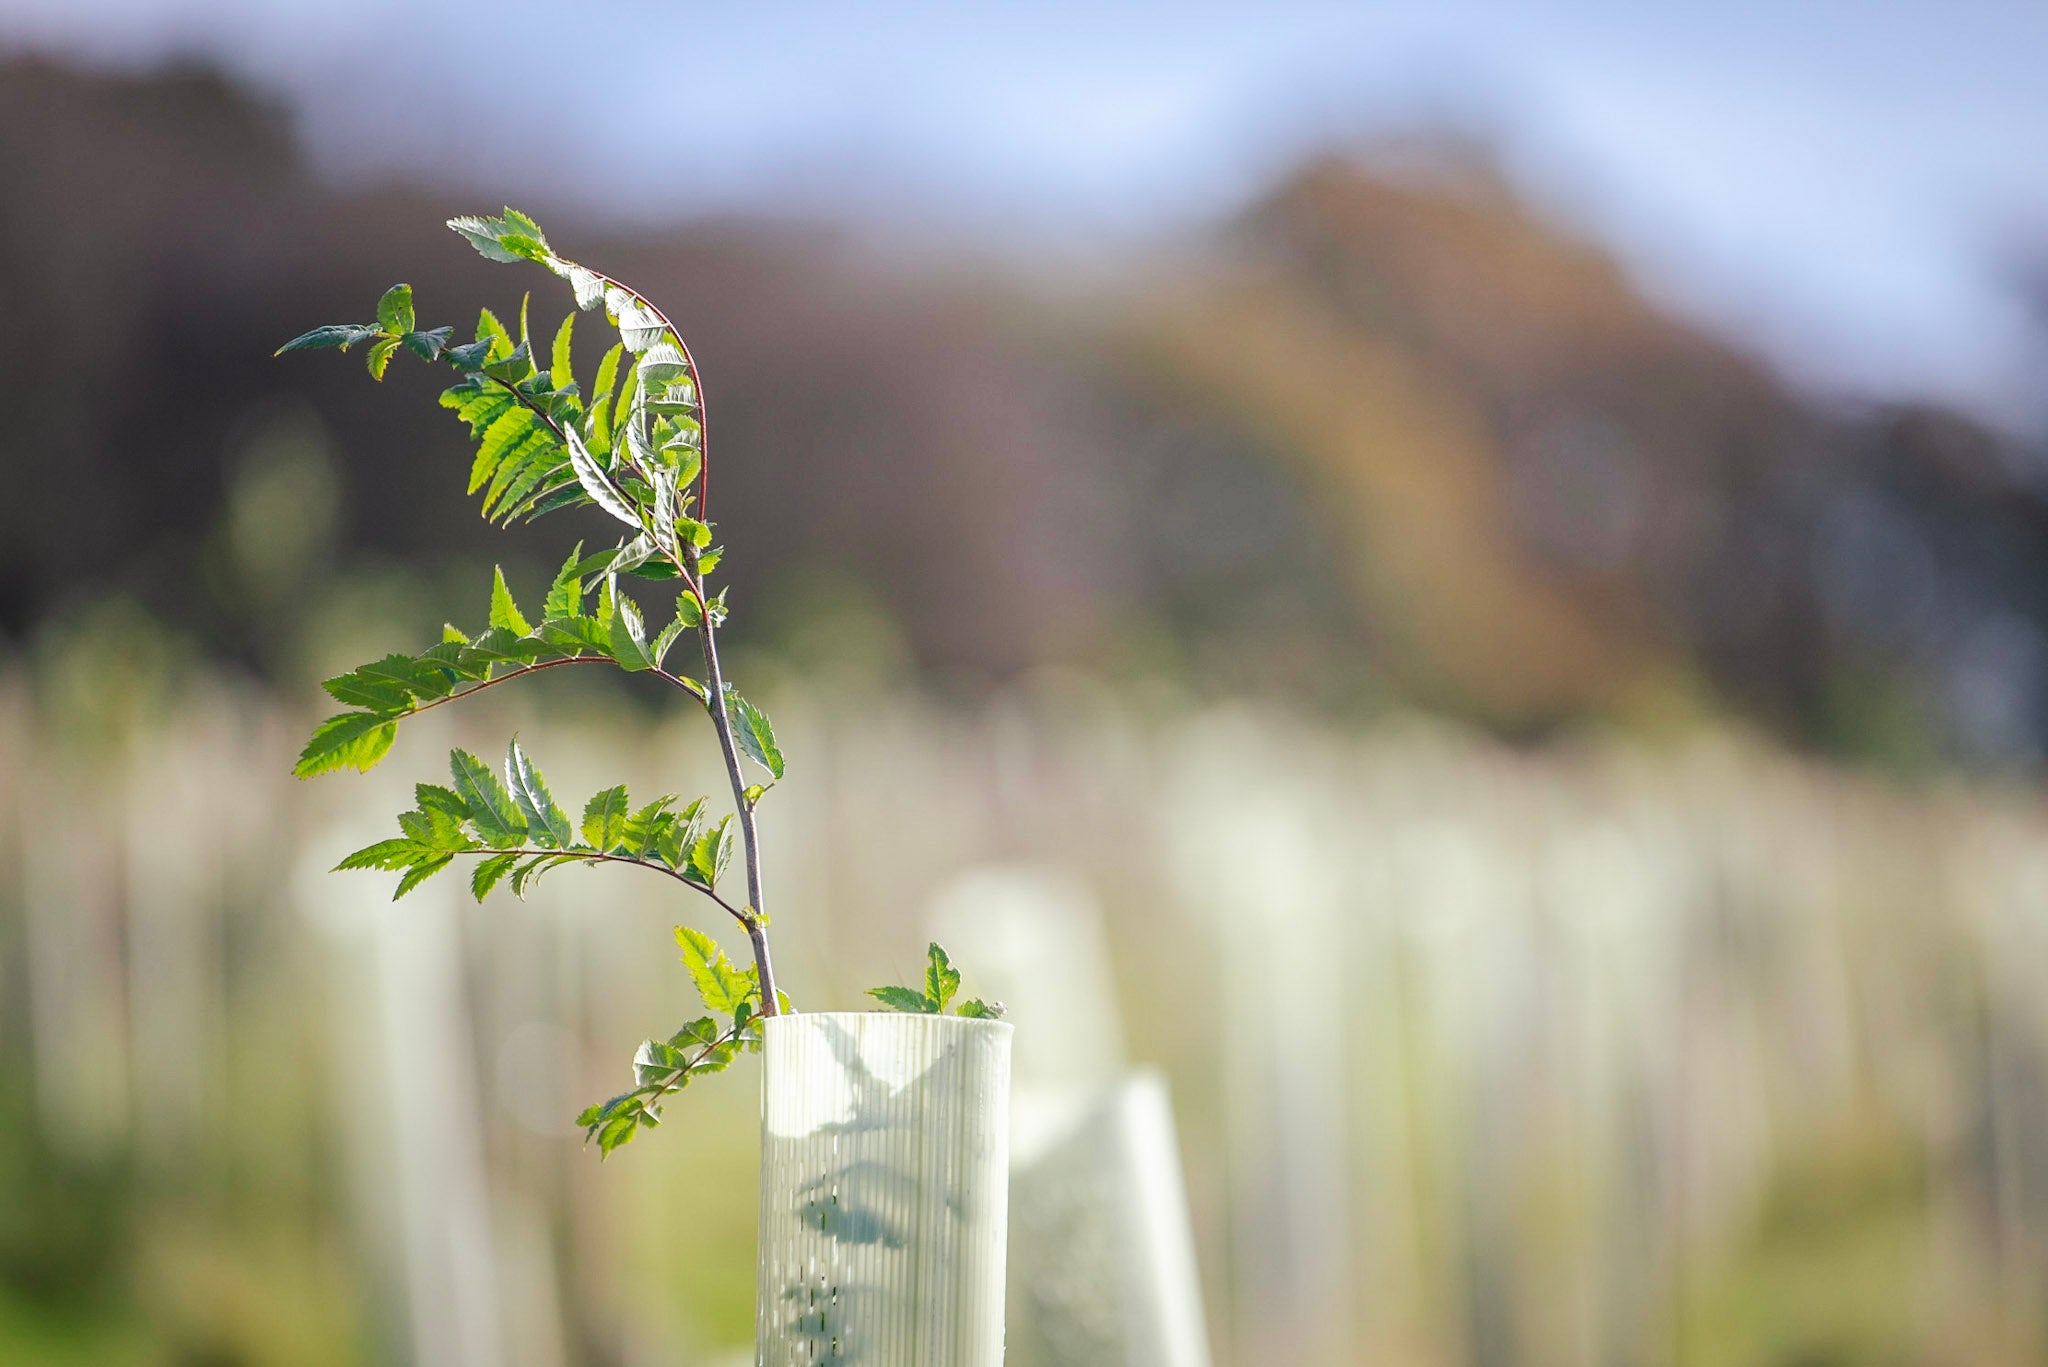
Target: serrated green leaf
<point>673,841</point>
<point>513,368</point>
<point>394,310</point>
<point>427,345</point>
<point>471,355</point>
<point>488,326</point>
<point>689,611</point>
<point>644,828</point>
<point>420,873</point>
<point>385,854</point>
<point>977,1009</point>
<point>435,829</point>
<point>488,872</point>
<point>561,366</point>
<point>709,854</point>
<point>604,819</point>
<point>598,416</point>
<point>658,649</point>
<point>617,1133</point>
<point>343,335</point>
<point>576,636</point>
<point>491,809</point>
<point>722,985</point>
<point>378,358</point>
<point>751,728</point>
<point>507,430</point>
<point>598,485</point>
<point>639,323</point>
<point>433,797</point>
<point>352,740</point>
<point>587,284</point>
<point>565,595</point>
<point>384,686</point>
<point>505,613</point>
<point>657,1062</point>
<point>547,825</point>
<point>941,979</point>
<point>628,635</point>
<point>512,237</point>
<point>903,999</point>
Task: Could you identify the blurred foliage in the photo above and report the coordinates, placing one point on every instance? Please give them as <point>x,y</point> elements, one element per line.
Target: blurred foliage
<point>1397,438</point>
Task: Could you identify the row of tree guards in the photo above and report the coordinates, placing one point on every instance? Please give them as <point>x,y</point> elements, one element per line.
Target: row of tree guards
<point>1470,1051</point>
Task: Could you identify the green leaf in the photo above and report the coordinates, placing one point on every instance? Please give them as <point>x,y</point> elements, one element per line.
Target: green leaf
<point>588,285</point>
<point>722,985</point>
<point>433,797</point>
<point>673,841</point>
<point>977,1009</point>
<point>512,237</point>
<point>488,872</point>
<point>505,613</point>
<point>689,611</point>
<point>639,323</point>
<point>379,356</point>
<point>420,873</point>
<point>708,856</point>
<point>353,740</point>
<point>435,829</point>
<point>385,854</point>
<point>658,649</point>
<point>471,355</point>
<point>628,635</point>
<point>510,429</point>
<point>565,595</point>
<point>385,686</point>
<point>604,819</point>
<point>598,415</point>
<point>427,345</point>
<point>756,737</point>
<point>343,335</point>
<point>546,823</point>
<point>576,636</point>
<point>513,368</point>
<point>697,533</point>
<point>903,999</point>
<point>598,485</point>
<point>527,874</point>
<point>645,827</point>
<point>941,979</point>
<point>488,326</point>
<point>561,371</point>
<point>394,310</point>
<point>491,810</point>
<point>657,1062</point>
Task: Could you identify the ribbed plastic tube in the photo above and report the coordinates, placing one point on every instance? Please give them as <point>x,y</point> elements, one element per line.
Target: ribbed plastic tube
<point>1102,1263</point>
<point>885,1170</point>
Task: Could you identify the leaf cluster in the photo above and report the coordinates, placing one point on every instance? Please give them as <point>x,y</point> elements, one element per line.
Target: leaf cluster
<point>631,443</point>
<point>587,618</point>
<point>518,832</point>
<point>941,985</point>
<point>708,1044</point>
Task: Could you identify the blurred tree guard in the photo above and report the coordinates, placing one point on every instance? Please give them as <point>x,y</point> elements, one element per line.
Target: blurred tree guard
<point>636,448</point>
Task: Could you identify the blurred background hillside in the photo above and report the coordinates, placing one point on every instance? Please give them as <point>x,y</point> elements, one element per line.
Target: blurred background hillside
<point>1615,645</point>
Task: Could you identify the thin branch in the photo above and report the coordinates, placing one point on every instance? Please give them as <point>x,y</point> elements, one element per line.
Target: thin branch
<point>595,857</point>
<point>523,670</point>
<point>750,835</point>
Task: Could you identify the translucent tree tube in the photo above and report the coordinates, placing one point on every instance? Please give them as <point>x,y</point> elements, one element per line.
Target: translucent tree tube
<point>884,1190</point>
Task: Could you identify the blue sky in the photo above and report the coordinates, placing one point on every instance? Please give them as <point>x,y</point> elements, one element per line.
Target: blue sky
<point>1842,185</point>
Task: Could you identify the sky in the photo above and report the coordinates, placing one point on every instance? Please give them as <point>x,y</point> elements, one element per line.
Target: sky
<point>1846,187</point>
